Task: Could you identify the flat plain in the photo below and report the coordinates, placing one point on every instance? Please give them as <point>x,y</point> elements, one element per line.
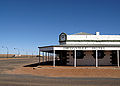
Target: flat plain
<point>13,79</point>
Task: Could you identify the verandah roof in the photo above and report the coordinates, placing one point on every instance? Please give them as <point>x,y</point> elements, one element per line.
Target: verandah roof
<point>80,47</point>
<point>84,45</point>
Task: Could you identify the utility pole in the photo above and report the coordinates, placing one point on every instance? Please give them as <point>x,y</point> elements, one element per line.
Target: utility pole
<point>7,50</point>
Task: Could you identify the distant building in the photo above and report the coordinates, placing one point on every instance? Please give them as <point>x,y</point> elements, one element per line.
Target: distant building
<point>16,55</point>
<point>85,49</point>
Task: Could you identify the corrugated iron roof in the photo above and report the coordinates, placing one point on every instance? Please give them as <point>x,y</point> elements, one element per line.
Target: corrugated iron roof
<point>82,33</point>
<point>84,45</point>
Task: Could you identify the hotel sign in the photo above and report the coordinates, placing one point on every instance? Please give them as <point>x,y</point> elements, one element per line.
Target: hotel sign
<point>83,48</point>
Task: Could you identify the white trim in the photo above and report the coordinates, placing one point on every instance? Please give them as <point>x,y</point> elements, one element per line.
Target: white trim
<point>78,48</point>
<point>74,58</point>
<point>90,43</point>
<point>93,37</point>
<point>87,48</point>
<point>118,58</point>
<point>53,58</point>
<point>96,58</point>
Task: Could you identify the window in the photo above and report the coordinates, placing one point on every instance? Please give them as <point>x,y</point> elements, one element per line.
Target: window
<point>80,54</point>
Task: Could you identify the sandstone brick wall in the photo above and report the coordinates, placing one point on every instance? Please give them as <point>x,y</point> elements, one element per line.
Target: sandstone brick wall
<point>106,60</point>
<point>70,59</point>
<point>88,59</point>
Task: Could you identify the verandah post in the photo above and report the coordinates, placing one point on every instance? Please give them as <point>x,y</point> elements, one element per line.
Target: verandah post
<point>53,58</point>
<point>74,58</point>
<point>96,58</point>
<point>43,57</point>
<point>118,58</point>
<point>39,56</point>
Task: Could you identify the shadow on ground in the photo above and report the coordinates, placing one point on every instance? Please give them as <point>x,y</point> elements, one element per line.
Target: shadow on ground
<point>49,63</point>
<point>58,63</point>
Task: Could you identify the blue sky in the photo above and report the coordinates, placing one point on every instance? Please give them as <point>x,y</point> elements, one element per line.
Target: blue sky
<point>27,24</point>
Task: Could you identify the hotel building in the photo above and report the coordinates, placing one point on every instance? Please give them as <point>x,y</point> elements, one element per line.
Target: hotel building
<point>83,49</point>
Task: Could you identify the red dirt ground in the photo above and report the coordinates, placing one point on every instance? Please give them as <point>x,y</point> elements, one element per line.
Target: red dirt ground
<point>108,72</point>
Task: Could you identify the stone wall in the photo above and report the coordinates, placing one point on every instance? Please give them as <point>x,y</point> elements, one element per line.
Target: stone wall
<point>106,60</point>
<point>88,59</point>
<point>70,59</point>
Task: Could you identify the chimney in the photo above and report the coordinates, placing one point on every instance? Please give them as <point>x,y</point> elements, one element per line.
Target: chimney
<point>97,33</point>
